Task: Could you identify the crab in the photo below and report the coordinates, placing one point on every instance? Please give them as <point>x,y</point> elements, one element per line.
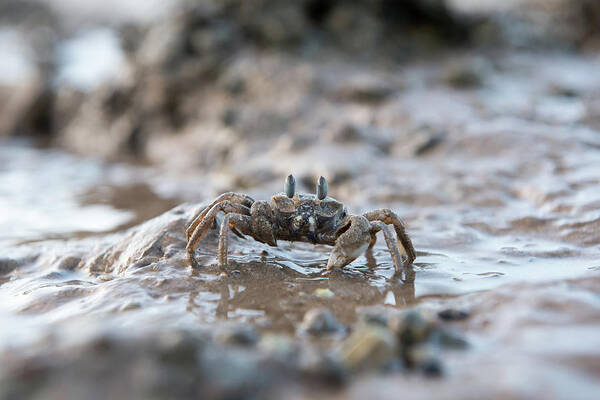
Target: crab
<point>291,216</point>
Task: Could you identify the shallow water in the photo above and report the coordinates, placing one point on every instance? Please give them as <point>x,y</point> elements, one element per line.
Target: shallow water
<point>50,194</point>
<point>461,249</point>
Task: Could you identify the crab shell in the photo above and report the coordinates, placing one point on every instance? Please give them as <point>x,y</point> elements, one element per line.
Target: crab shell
<point>304,217</point>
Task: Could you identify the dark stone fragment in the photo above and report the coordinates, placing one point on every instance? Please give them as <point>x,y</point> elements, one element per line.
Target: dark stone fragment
<point>432,368</point>
<point>451,314</point>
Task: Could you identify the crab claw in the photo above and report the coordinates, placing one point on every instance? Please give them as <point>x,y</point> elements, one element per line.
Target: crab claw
<point>351,243</point>
<point>262,223</point>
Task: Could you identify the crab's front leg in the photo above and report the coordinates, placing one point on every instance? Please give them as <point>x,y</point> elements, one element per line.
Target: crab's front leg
<point>353,239</point>
<point>232,197</point>
<point>259,225</point>
<point>388,217</point>
<point>206,223</point>
<point>234,222</point>
<point>356,235</point>
<point>391,241</point>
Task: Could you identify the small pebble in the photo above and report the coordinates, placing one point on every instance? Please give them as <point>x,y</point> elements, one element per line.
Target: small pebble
<point>451,314</point>
<point>178,348</point>
<point>242,335</point>
<point>131,305</point>
<point>369,347</point>
<point>375,319</point>
<point>324,293</point>
<point>320,321</point>
<point>432,368</point>
<point>277,345</point>
<point>322,367</point>
<point>411,328</point>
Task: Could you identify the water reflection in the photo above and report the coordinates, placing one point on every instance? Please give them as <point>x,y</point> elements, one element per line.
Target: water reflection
<point>277,296</point>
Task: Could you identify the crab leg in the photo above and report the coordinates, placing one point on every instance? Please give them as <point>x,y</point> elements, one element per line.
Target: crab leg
<point>391,241</point>
<point>223,241</point>
<point>206,222</point>
<point>351,243</point>
<point>373,240</point>
<point>388,217</point>
<point>229,196</point>
<point>233,222</point>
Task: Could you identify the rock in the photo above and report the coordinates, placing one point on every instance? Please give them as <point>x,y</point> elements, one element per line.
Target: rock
<point>171,364</point>
<point>369,347</point>
<point>320,321</point>
<point>374,318</point>
<point>241,335</point>
<point>450,339</point>
<point>322,367</point>
<point>325,293</point>
<point>419,141</point>
<point>411,328</point>
<point>425,358</point>
<point>381,139</point>
<point>421,338</point>
<point>278,346</point>
<point>130,305</point>
<point>365,90</point>
<point>559,22</point>
<point>466,74</point>
<point>432,368</point>
<point>69,263</point>
<point>179,347</point>
<point>7,265</point>
<point>451,314</point>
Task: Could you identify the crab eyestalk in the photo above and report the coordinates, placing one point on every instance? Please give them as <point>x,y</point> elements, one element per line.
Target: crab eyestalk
<point>322,188</point>
<point>290,186</point>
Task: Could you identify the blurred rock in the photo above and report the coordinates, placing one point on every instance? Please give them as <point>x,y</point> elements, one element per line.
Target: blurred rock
<point>466,74</point>
<point>324,293</point>
<point>556,23</point>
<point>279,346</point>
<point>364,89</point>
<point>451,314</point>
<point>369,347</point>
<point>425,358</point>
<point>173,364</point>
<point>419,142</point>
<point>421,338</point>
<point>374,318</point>
<point>177,70</point>
<point>380,139</point>
<point>320,321</point>
<point>322,367</point>
<point>7,265</point>
<point>241,335</point>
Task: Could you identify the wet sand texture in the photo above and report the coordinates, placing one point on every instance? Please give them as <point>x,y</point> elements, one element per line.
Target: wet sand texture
<point>479,127</point>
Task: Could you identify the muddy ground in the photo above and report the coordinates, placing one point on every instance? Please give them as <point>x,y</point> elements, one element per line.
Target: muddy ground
<point>479,126</point>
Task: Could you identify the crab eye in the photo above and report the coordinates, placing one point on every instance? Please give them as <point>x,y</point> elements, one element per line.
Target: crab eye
<point>290,186</point>
<point>322,188</point>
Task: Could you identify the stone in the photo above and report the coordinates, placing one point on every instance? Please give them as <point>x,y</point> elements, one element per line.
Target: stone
<point>320,321</point>
<point>369,347</point>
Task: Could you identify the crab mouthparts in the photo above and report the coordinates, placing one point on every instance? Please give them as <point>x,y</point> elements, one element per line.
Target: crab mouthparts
<point>299,225</point>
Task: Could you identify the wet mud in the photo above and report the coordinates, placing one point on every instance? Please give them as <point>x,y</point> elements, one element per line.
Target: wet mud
<point>490,155</point>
